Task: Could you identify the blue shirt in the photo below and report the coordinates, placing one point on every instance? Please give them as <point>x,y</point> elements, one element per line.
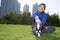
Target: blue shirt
<point>42,16</point>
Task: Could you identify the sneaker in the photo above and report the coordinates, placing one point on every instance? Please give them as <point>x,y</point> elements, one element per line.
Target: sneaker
<point>36,31</point>
<point>39,34</point>
<point>39,31</point>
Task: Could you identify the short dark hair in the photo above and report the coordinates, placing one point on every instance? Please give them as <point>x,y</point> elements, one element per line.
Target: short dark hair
<point>43,5</point>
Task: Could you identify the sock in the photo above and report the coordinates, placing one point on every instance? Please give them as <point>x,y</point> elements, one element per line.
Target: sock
<point>38,26</point>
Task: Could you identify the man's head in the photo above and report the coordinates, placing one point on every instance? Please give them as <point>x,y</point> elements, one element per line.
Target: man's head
<point>41,7</point>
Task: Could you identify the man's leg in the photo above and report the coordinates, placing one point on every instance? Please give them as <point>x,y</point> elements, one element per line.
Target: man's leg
<point>37,30</point>
<point>34,29</point>
<point>48,29</point>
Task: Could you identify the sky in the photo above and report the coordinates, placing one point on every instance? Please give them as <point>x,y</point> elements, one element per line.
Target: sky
<point>52,6</point>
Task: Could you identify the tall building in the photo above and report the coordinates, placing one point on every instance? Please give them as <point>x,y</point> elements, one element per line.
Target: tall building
<point>35,7</point>
<point>8,6</point>
<point>0,3</point>
<point>26,8</point>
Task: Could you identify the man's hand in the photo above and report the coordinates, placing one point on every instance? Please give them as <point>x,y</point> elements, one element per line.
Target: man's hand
<point>38,21</point>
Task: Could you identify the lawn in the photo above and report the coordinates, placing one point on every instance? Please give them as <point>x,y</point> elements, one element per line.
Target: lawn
<point>23,32</point>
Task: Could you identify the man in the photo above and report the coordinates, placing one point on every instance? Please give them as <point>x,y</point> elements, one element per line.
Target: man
<point>39,18</point>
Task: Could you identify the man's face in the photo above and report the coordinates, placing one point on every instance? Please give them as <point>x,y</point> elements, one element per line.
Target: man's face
<point>41,8</point>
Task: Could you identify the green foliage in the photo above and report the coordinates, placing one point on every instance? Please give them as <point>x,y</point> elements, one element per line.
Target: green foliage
<point>14,18</point>
<point>26,19</point>
<point>53,20</point>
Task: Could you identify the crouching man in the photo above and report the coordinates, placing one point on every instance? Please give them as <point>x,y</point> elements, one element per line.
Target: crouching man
<point>39,18</point>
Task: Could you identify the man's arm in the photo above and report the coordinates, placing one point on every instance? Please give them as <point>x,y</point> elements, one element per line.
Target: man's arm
<point>36,18</point>
<point>37,21</point>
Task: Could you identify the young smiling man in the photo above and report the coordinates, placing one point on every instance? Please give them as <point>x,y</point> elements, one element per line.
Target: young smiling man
<point>39,18</point>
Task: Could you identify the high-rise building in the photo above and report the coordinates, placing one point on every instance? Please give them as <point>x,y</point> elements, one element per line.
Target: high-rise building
<point>0,3</point>
<point>8,6</point>
<point>35,7</point>
<point>26,8</point>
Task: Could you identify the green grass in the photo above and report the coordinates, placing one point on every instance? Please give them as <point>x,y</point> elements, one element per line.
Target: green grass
<point>23,32</point>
